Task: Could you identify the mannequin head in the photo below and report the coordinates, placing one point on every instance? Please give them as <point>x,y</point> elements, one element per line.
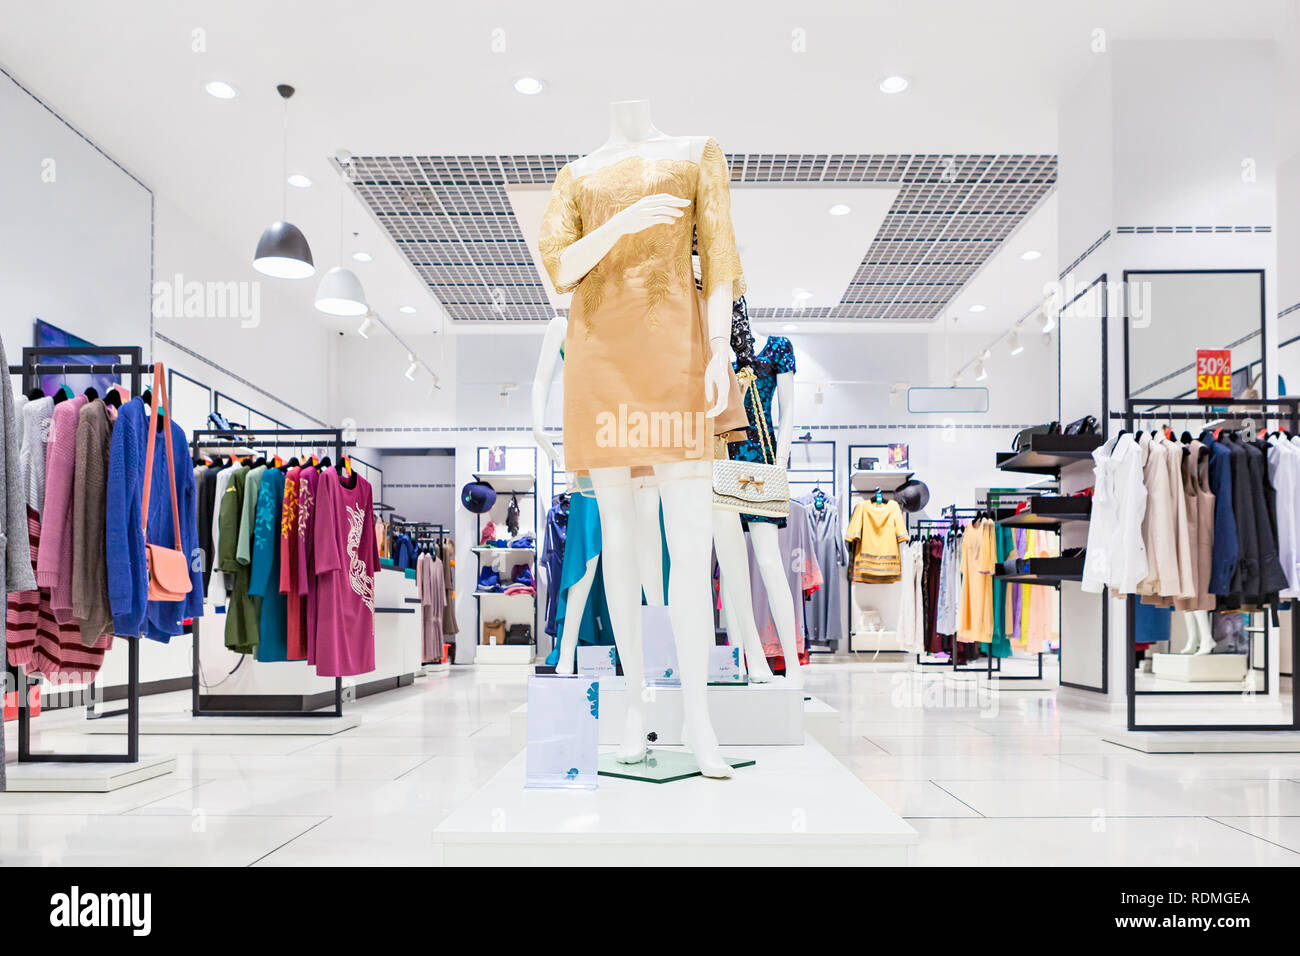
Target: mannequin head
<point>630,122</point>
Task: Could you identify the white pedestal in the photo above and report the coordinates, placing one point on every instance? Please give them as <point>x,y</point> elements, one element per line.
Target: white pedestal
<point>798,806</point>
<point>84,777</point>
<point>503,654</point>
<point>1199,667</point>
<point>183,722</point>
<point>871,641</point>
<point>757,715</point>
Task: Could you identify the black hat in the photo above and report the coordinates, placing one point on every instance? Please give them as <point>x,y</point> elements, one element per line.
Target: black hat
<point>478,497</point>
<point>913,495</point>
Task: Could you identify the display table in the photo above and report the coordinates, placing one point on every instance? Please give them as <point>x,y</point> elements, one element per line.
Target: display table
<point>798,806</point>
<point>1199,667</point>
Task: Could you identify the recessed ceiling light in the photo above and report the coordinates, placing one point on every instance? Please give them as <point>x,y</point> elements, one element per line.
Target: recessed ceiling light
<point>977,307</point>
<point>362,256</point>
<point>407,310</point>
<point>299,181</point>
<point>893,84</point>
<point>221,90</point>
<point>1029,255</point>
<point>840,209</point>
<point>528,85</point>
<point>790,327</point>
<point>802,294</point>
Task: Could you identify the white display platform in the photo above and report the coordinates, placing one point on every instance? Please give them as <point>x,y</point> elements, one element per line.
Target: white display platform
<point>84,777</point>
<point>798,806</point>
<point>1207,742</point>
<point>183,722</point>
<point>1199,667</point>
<point>503,654</point>
<point>871,641</point>
<point>756,715</point>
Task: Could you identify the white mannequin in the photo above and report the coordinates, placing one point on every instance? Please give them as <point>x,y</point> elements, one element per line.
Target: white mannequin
<point>686,489</point>
<point>728,535</point>
<point>737,599</point>
<point>1200,636</point>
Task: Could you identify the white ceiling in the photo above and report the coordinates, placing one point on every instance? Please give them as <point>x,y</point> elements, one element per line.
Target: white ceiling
<point>422,78</point>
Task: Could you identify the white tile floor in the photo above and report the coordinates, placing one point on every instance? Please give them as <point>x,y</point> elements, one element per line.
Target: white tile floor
<point>1027,784</point>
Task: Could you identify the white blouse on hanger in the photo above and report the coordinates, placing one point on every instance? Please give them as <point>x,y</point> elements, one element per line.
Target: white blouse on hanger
<point>1116,556</point>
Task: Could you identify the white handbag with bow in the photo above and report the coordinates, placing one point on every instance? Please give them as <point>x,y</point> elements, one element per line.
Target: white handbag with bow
<point>752,487</point>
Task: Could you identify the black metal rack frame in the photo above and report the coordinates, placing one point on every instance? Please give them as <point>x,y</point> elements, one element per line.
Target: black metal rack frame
<point>30,369</point>
<point>1166,409</point>
<point>209,439</point>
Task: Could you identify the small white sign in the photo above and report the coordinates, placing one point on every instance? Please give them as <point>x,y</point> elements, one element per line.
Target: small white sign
<point>597,660</point>
<point>659,648</point>
<point>724,665</point>
<point>562,732</point>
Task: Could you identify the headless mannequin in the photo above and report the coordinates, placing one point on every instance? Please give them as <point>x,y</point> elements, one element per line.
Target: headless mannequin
<point>1200,636</point>
<point>685,487</point>
<point>737,599</point>
<point>730,537</point>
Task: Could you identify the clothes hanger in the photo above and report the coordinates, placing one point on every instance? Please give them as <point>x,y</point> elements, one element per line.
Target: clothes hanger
<point>35,393</point>
<point>91,393</point>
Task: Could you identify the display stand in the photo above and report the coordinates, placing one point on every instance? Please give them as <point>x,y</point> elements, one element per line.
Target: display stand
<point>84,771</point>
<point>866,482</point>
<point>221,440</point>
<point>1285,410</point>
<point>511,480</point>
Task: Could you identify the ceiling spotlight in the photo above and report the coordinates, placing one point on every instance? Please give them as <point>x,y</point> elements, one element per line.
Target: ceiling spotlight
<point>1016,345</point>
<point>365,327</point>
<point>840,209</point>
<point>299,181</point>
<point>789,327</point>
<point>1049,323</point>
<point>819,397</point>
<point>986,354</point>
<point>981,373</point>
<point>1047,338</point>
<point>410,372</point>
<point>802,294</point>
<point>362,256</point>
<point>343,156</point>
<point>956,380</point>
<point>893,84</point>
<point>895,394</point>
<point>977,308</point>
<point>1029,255</point>
<point>407,310</point>
<point>528,85</point>
<point>221,90</point>
<point>340,293</point>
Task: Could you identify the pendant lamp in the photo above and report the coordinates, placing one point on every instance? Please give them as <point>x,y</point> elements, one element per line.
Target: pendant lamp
<point>283,252</point>
<point>340,292</point>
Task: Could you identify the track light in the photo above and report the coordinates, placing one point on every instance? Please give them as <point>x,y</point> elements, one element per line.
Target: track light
<point>981,373</point>
<point>365,327</point>
<point>410,372</point>
<point>1014,342</point>
<point>1049,322</point>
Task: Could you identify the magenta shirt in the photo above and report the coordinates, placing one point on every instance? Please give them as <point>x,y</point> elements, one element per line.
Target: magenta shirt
<point>346,557</point>
<point>308,479</point>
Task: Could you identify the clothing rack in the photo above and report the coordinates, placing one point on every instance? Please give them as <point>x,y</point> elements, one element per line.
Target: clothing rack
<point>31,368</point>
<point>209,439</point>
<point>1212,411</point>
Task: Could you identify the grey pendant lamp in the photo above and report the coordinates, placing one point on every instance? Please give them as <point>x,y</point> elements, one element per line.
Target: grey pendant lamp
<point>283,252</point>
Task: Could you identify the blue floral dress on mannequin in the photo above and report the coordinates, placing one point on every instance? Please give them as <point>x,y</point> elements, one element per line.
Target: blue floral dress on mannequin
<point>777,357</point>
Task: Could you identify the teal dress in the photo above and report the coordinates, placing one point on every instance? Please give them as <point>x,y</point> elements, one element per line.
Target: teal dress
<point>264,578</point>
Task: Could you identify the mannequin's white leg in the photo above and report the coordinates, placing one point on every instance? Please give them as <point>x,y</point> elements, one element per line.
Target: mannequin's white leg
<point>687,495</point>
<point>737,597</point>
<point>767,552</point>
<point>618,534</point>
<point>1193,629</point>
<point>650,559</point>
<point>1206,633</point>
<point>575,607</point>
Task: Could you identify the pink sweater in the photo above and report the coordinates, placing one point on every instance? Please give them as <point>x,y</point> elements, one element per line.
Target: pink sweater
<point>54,562</point>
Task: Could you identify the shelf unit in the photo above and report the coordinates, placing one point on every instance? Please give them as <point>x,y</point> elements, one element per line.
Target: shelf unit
<point>1047,512</point>
<point>493,605</point>
<point>1048,454</point>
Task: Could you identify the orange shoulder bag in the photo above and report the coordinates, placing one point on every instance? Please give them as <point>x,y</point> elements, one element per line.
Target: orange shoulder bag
<point>169,572</point>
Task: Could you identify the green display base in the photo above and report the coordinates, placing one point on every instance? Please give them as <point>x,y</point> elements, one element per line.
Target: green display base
<point>659,766</point>
<point>728,683</point>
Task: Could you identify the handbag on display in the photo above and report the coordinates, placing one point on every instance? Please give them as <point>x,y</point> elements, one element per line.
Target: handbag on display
<point>1087,425</point>
<point>1024,436</point>
<point>752,487</point>
<point>494,632</point>
<point>519,634</point>
<point>868,464</point>
<point>168,569</point>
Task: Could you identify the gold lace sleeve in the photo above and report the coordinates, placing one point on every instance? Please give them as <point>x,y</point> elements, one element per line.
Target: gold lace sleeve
<point>719,260</point>
<point>561,228</point>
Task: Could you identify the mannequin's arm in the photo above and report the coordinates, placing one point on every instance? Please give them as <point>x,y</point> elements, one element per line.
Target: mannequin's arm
<point>581,256</point>
<point>785,411</point>
<point>718,316</point>
<point>548,360</point>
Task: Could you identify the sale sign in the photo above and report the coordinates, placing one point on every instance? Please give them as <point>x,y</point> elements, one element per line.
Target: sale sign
<point>1213,373</point>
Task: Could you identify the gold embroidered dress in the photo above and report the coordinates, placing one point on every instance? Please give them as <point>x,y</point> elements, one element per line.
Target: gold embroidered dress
<point>636,348</point>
